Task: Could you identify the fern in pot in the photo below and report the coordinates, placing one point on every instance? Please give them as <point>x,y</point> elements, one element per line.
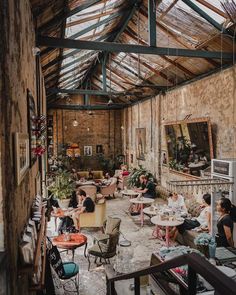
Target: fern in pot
<point>133,179</point>
<point>62,188</point>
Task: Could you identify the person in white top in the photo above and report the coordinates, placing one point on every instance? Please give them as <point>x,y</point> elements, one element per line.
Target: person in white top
<point>203,220</point>
<point>176,202</point>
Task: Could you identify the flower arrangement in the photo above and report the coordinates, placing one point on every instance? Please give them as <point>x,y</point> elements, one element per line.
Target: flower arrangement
<point>204,239</point>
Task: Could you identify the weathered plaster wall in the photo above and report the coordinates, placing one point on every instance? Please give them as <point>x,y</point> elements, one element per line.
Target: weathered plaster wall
<point>101,127</point>
<point>213,97</point>
<point>17,73</point>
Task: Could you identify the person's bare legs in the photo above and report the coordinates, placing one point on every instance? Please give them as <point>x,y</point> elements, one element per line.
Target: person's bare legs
<point>75,218</point>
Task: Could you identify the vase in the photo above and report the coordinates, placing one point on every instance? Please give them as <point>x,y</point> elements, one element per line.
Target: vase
<point>64,203</point>
<point>204,249</point>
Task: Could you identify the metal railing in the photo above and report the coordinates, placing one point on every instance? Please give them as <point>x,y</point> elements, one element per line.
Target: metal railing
<point>196,265</point>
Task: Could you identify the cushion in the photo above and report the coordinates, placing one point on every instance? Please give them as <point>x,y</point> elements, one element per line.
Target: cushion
<point>193,207</point>
<point>70,269</point>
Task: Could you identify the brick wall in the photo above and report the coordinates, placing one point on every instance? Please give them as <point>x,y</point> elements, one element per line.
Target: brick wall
<point>213,96</point>
<point>17,74</point>
<point>102,127</point>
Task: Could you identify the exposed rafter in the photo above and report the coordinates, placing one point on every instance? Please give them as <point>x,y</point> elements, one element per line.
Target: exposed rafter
<point>130,48</point>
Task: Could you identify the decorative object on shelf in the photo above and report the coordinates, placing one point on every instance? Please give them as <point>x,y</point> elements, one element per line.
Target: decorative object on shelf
<point>73,151</point>
<point>189,145</point>
<point>140,143</point>
<point>21,155</point>
<point>88,150</point>
<point>133,179</point>
<point>31,113</point>
<point>62,188</point>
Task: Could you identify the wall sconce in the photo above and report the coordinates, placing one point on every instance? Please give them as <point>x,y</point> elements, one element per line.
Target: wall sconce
<point>122,127</point>
<point>75,123</point>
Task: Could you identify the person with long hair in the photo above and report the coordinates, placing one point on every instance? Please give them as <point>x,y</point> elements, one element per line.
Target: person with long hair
<point>224,237</point>
<point>203,220</point>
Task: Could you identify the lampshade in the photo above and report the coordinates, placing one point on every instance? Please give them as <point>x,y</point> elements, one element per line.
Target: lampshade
<point>75,123</point>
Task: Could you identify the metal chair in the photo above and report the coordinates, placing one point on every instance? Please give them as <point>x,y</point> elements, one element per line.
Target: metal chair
<point>66,271</point>
<point>105,244</point>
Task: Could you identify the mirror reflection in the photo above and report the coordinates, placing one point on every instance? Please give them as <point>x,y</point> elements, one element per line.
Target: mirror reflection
<point>189,146</point>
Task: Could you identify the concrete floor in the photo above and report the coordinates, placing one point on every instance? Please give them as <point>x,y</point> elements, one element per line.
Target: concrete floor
<point>93,282</point>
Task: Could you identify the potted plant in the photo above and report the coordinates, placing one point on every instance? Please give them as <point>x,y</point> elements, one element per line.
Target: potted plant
<point>133,179</point>
<point>62,188</point>
<point>203,241</point>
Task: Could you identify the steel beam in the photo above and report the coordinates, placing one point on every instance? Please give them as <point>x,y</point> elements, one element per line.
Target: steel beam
<point>87,107</point>
<point>130,48</point>
<point>152,22</point>
<point>104,75</point>
<point>81,91</point>
<point>206,16</point>
<point>64,15</point>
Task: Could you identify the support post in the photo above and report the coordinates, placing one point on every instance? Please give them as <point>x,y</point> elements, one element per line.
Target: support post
<point>104,73</point>
<point>152,22</point>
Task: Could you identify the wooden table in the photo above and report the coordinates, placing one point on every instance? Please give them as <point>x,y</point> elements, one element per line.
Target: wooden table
<point>142,201</point>
<point>75,241</point>
<point>167,224</point>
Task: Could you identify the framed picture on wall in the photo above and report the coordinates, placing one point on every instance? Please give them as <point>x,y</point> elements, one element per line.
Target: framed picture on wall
<point>88,150</point>
<point>164,159</point>
<point>21,155</point>
<point>31,113</point>
<point>99,149</point>
<point>140,143</point>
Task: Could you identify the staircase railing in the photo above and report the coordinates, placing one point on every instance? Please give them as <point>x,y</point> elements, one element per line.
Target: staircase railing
<point>196,265</point>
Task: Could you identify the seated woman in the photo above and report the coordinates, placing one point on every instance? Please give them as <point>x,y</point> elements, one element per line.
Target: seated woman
<point>176,202</point>
<point>203,220</point>
<point>86,204</point>
<point>224,237</point>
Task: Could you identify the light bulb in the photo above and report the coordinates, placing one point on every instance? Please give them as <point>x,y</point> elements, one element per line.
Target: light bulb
<point>122,127</point>
<point>75,123</point>
<point>88,129</point>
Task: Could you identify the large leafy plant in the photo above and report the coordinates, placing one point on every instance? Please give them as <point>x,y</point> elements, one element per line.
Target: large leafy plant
<point>62,186</point>
<point>133,179</point>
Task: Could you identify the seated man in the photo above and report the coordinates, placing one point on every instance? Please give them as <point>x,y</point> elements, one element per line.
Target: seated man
<point>86,204</point>
<point>147,187</point>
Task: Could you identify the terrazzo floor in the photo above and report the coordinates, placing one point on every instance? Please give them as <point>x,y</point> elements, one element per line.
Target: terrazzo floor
<point>93,282</point>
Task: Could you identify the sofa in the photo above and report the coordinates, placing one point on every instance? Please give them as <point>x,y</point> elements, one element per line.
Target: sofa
<point>97,174</point>
<point>96,218</point>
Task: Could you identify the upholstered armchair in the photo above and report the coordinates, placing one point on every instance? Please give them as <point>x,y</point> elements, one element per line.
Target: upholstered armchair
<point>91,190</point>
<point>108,191</point>
<point>105,244</point>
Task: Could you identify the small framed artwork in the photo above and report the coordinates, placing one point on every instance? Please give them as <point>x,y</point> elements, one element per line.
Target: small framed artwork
<point>131,158</point>
<point>31,110</point>
<point>88,150</point>
<point>21,155</point>
<point>140,143</point>
<point>99,149</point>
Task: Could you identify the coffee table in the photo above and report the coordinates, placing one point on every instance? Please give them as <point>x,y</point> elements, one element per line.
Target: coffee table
<point>141,201</point>
<point>167,224</point>
<point>74,241</point>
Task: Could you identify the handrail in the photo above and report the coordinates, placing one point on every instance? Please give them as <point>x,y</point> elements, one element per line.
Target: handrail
<point>197,264</point>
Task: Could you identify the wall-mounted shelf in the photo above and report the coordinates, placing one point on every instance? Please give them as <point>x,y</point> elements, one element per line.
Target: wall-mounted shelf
<point>40,252</point>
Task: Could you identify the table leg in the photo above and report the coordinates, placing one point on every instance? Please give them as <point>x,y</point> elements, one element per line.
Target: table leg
<point>141,214</point>
<point>73,255</point>
<point>55,220</point>
<point>167,237</point>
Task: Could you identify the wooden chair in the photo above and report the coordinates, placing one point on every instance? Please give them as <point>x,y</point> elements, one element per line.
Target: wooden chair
<point>108,191</point>
<point>91,190</point>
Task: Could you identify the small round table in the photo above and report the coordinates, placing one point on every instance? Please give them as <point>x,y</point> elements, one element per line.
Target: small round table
<point>167,224</point>
<point>141,201</point>
<point>74,241</point>
<point>129,192</point>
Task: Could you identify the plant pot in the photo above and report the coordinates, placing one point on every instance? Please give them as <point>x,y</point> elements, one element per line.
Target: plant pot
<point>64,203</point>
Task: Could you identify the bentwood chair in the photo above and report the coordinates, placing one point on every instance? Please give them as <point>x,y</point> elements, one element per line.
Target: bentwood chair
<point>66,271</point>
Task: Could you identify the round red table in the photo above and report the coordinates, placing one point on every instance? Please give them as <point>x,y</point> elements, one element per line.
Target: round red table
<point>74,241</point>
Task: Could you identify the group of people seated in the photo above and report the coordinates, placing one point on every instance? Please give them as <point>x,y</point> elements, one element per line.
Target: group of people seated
<point>224,237</point>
